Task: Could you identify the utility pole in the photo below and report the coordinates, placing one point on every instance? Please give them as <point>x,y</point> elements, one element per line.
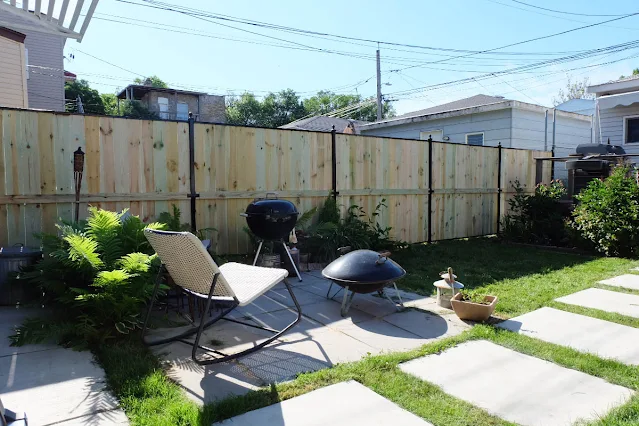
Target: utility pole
<point>379,88</point>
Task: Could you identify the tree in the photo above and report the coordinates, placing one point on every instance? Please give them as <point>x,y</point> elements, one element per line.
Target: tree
<point>576,90</point>
<point>282,108</point>
<point>634,73</point>
<point>325,102</point>
<point>137,109</point>
<point>110,102</point>
<point>91,100</point>
<point>153,81</point>
<point>244,110</point>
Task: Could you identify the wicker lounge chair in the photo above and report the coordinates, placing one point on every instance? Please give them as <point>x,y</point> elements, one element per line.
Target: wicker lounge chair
<point>227,287</point>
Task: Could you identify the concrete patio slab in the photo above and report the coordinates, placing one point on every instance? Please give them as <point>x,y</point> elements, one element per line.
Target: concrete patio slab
<point>10,319</point>
<point>427,324</point>
<point>372,304</point>
<point>382,336</point>
<point>55,385</point>
<point>518,387</point>
<point>630,281</point>
<point>605,300</point>
<point>204,384</point>
<point>283,297</point>
<point>328,406</point>
<point>603,338</point>
<point>52,384</point>
<point>328,313</point>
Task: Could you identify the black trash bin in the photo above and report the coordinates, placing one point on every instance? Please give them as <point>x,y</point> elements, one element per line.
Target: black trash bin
<point>11,260</point>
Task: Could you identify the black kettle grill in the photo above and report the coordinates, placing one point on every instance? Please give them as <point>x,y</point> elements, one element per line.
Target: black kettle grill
<point>592,161</point>
<point>363,271</point>
<point>272,219</point>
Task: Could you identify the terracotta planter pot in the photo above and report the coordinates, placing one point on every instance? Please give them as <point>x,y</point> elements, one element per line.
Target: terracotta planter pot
<point>473,311</point>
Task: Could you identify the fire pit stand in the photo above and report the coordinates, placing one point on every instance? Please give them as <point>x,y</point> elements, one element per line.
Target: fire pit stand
<point>363,271</point>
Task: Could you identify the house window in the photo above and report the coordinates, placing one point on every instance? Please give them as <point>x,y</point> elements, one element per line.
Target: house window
<point>437,135</point>
<point>163,104</point>
<point>475,139</point>
<point>182,111</point>
<point>632,129</point>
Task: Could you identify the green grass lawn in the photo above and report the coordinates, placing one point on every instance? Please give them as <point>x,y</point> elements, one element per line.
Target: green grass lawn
<point>523,278</point>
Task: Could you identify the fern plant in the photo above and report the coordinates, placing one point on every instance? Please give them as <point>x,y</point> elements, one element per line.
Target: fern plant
<point>94,277</point>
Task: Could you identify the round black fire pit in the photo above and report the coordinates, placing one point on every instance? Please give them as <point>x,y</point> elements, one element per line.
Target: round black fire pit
<point>363,271</point>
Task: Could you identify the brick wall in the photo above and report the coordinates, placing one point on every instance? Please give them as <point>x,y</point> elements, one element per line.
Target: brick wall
<point>212,109</point>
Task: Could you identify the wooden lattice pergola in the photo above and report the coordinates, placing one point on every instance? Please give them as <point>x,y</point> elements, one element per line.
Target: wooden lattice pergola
<point>60,17</point>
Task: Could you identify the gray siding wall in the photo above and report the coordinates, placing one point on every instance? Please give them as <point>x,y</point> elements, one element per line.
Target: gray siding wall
<point>45,85</point>
<point>528,133</point>
<point>612,126</point>
<point>496,126</point>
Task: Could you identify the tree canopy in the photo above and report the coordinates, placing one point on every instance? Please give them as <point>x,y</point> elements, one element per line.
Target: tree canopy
<point>573,90</point>
<point>277,109</point>
<point>91,100</point>
<point>153,81</point>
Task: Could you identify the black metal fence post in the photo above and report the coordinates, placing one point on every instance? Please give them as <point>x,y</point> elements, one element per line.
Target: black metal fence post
<point>430,189</point>
<point>192,194</point>
<point>498,188</point>
<point>334,163</point>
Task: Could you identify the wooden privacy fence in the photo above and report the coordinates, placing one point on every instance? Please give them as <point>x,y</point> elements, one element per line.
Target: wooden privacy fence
<point>145,166</point>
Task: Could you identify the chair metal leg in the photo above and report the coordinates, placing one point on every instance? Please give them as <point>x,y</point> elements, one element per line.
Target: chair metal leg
<point>187,333</point>
<point>255,348</point>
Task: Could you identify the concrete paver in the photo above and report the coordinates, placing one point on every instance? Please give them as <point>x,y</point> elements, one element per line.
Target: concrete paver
<point>518,387</point>
<point>630,281</point>
<point>343,404</point>
<point>603,338</point>
<point>52,384</point>
<point>605,300</point>
<point>321,339</point>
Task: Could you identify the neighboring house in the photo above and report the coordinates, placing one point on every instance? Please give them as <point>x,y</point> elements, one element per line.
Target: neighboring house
<point>174,104</point>
<point>579,106</point>
<point>45,33</point>
<point>321,123</point>
<point>617,114</point>
<point>13,69</point>
<point>489,121</point>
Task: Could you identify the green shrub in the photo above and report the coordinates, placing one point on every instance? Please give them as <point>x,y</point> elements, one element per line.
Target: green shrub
<point>172,221</point>
<point>95,277</point>
<point>536,218</point>
<point>608,213</point>
<point>357,230</point>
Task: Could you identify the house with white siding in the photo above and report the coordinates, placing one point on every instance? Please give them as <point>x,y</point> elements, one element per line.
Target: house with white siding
<point>13,69</point>
<point>617,113</point>
<point>46,28</point>
<point>489,121</point>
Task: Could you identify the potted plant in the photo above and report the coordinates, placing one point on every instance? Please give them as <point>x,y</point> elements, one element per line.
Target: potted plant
<point>473,307</point>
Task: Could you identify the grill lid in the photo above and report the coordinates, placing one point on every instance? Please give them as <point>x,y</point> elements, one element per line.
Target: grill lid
<point>272,207</point>
<point>363,267</point>
<point>599,149</point>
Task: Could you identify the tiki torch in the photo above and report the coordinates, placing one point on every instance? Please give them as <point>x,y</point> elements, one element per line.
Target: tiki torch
<point>78,167</point>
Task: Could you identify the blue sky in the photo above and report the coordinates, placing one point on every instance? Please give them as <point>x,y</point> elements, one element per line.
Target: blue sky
<point>212,63</point>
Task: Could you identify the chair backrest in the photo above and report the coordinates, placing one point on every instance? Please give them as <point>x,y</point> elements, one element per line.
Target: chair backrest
<point>188,262</point>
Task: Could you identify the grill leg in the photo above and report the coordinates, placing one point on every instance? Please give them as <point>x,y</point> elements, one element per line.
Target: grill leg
<point>259,249</point>
<point>347,301</point>
<point>299,277</point>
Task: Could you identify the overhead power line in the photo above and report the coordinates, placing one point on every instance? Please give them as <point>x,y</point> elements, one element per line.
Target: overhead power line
<point>563,12</point>
<point>217,16</point>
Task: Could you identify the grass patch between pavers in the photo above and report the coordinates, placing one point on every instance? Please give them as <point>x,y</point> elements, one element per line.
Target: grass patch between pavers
<point>149,398</point>
<point>596,313</point>
<point>523,278</point>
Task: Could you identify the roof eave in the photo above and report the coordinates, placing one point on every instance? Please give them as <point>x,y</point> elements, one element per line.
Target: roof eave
<point>439,115</point>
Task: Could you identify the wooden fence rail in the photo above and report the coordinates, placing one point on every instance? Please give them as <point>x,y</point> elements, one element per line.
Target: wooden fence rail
<point>144,166</point>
